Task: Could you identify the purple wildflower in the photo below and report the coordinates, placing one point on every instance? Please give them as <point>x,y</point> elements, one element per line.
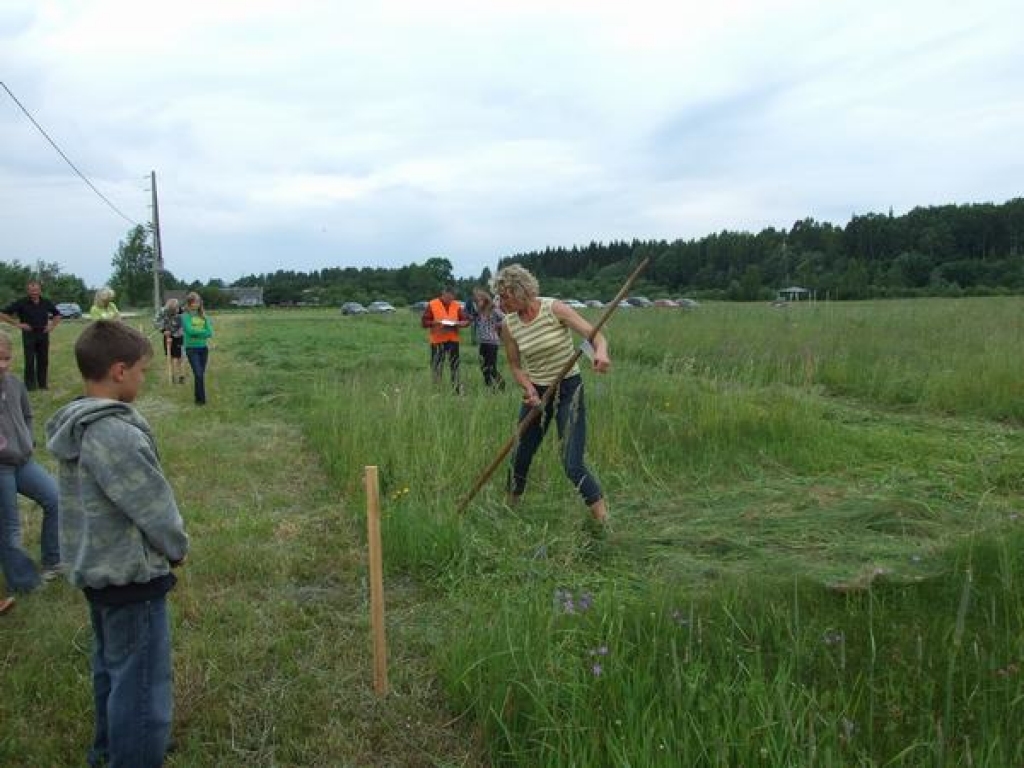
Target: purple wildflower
<point>596,669</point>
<point>586,601</point>
<point>832,637</point>
<point>601,650</point>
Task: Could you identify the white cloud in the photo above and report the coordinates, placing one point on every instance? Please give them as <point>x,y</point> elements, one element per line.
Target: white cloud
<point>306,133</point>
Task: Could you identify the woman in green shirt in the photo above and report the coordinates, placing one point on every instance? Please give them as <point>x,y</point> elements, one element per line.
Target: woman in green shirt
<point>197,329</point>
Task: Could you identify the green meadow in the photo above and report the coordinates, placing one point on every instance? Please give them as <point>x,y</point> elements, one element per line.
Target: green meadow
<point>816,555</point>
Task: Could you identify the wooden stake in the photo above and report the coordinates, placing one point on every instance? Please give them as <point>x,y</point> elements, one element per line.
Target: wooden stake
<point>535,412</point>
<point>167,352</point>
<point>380,660</point>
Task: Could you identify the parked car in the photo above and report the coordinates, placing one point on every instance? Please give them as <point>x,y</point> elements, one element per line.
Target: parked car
<point>595,303</point>
<point>687,303</point>
<point>574,303</point>
<point>639,301</point>
<point>69,310</point>
<point>665,303</point>
<point>379,307</point>
<point>419,307</point>
<point>353,308</point>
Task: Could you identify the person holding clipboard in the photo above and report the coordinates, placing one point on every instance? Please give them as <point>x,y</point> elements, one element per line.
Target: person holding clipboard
<point>443,318</point>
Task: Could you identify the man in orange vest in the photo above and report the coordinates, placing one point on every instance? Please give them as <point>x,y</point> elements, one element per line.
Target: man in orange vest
<point>443,318</point>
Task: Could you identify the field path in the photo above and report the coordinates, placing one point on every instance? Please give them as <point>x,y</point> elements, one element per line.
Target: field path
<point>271,643</point>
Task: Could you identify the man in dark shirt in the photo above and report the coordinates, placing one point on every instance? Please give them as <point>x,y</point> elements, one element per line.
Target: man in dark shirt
<point>36,316</point>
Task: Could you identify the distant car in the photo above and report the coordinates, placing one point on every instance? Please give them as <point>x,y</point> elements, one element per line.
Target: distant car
<point>353,308</point>
<point>688,303</point>
<point>69,310</point>
<point>665,303</point>
<point>639,301</point>
<point>596,304</point>
<point>419,307</point>
<point>574,303</point>
<point>379,307</point>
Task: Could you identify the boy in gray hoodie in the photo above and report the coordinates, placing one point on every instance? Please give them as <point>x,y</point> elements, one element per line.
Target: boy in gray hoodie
<point>121,533</point>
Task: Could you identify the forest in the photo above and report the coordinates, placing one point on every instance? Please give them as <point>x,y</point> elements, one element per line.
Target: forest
<point>948,250</point>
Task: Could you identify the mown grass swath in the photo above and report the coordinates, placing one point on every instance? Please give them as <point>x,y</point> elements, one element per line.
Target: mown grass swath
<point>816,554</point>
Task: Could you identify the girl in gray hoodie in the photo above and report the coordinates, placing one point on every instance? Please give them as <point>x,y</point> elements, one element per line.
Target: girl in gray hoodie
<point>21,474</point>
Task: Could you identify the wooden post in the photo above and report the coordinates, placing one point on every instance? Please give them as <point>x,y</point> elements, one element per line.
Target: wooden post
<point>380,659</point>
<point>167,353</point>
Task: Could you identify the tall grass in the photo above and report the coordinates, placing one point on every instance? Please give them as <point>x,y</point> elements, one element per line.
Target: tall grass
<point>815,554</point>
<point>803,500</point>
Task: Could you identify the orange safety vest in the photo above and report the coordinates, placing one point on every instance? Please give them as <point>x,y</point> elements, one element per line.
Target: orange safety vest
<point>439,312</point>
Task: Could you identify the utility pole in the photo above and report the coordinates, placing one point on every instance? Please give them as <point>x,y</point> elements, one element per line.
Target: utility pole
<point>158,255</point>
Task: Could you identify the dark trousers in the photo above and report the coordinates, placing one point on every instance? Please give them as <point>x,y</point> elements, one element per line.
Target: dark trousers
<point>197,359</point>
<point>568,410</point>
<point>489,366</point>
<point>36,345</point>
<point>438,352</point>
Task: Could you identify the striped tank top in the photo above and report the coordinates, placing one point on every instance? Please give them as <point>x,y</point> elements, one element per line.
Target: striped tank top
<point>545,344</point>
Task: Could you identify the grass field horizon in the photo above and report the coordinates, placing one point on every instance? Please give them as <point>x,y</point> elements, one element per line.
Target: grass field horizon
<point>815,555</point>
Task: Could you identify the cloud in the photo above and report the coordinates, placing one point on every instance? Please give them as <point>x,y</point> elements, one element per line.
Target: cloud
<point>308,133</point>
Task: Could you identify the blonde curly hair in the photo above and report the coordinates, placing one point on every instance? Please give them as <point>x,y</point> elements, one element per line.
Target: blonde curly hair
<point>516,281</point>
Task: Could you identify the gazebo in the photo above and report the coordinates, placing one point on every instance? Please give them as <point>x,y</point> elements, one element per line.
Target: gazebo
<point>793,293</point>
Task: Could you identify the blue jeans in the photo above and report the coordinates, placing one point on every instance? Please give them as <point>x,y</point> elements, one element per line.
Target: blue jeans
<point>197,359</point>
<point>570,414</point>
<point>131,684</point>
<point>31,480</point>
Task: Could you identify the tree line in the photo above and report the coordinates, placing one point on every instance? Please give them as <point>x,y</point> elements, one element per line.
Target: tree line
<point>949,250</point>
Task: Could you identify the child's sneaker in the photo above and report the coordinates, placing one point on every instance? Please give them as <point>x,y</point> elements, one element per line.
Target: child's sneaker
<point>52,573</point>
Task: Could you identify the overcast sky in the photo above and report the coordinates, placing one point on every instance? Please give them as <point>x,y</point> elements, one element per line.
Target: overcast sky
<point>301,134</point>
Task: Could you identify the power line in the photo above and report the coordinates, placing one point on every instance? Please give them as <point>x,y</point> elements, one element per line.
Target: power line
<point>60,152</point>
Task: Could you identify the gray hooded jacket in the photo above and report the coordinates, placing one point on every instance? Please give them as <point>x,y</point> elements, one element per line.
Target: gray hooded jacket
<point>15,422</point>
<point>120,524</point>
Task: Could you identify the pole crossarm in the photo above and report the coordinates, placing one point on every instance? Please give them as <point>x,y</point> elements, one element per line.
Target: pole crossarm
<point>536,411</point>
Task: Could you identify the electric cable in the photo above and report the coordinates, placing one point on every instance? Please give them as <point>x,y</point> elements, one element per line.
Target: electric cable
<point>103,197</point>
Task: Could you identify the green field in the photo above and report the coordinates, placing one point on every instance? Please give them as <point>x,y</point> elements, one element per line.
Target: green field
<point>816,556</point>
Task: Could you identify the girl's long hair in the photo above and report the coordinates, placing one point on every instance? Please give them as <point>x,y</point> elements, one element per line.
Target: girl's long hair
<point>195,298</point>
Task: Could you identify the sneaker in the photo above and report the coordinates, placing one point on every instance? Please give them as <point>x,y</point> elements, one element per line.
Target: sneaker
<point>52,573</point>
<point>6,604</point>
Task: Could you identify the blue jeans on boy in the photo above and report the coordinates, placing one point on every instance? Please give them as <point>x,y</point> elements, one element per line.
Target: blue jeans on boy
<point>568,410</point>
<point>34,482</point>
<point>131,681</point>
<point>197,359</point>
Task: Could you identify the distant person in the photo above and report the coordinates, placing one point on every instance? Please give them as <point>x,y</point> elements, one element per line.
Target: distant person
<point>487,320</point>
<point>168,321</point>
<point>36,315</point>
<point>537,334</point>
<point>103,306</point>
<point>21,474</point>
<point>443,318</point>
<point>121,533</point>
<point>197,330</point>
